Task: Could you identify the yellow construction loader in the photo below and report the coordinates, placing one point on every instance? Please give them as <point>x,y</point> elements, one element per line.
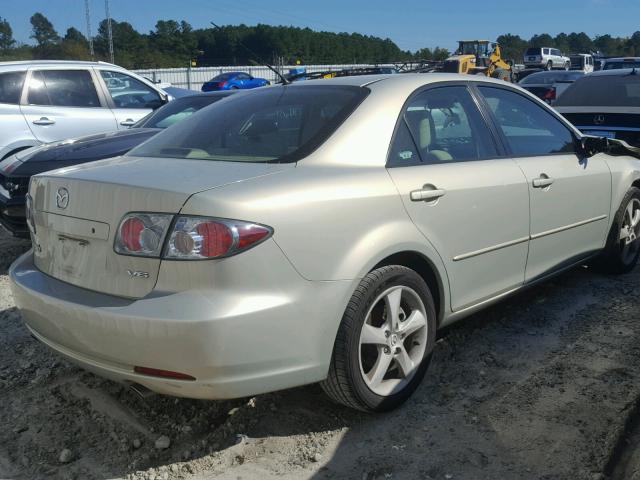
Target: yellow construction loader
<point>479,57</point>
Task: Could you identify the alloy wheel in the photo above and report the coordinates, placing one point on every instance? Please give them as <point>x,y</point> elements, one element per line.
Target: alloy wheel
<point>630,231</point>
<point>393,340</point>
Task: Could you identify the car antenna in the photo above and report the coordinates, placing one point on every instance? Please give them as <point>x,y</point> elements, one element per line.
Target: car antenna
<point>273,69</point>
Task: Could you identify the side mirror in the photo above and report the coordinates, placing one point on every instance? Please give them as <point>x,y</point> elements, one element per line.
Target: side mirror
<point>588,146</point>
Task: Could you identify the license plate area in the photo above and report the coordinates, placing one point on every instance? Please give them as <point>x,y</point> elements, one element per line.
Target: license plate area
<point>70,249</point>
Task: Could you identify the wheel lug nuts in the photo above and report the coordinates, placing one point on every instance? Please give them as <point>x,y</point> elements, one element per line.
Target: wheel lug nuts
<point>386,350</point>
<point>387,333</point>
<point>397,349</point>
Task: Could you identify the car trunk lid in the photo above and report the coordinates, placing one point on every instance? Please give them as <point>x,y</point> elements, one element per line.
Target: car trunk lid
<point>75,214</point>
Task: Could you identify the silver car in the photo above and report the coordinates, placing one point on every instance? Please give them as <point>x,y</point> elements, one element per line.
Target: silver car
<point>317,232</point>
<point>547,58</point>
<point>46,101</point>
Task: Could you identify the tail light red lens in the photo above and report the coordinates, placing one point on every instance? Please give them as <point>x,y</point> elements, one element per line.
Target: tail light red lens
<point>192,238</point>
<point>197,238</point>
<point>130,233</point>
<point>222,84</point>
<point>550,94</point>
<point>142,234</point>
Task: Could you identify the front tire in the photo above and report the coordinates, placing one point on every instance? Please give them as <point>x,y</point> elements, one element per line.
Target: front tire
<point>384,343</point>
<point>623,244</point>
<point>567,66</point>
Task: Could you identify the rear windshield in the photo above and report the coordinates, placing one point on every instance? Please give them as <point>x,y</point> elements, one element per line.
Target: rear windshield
<point>603,90</point>
<point>549,78</point>
<point>619,65</point>
<point>276,124</point>
<point>177,110</point>
<point>533,51</point>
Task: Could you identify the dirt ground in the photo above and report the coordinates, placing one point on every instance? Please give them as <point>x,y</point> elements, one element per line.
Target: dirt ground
<point>542,386</point>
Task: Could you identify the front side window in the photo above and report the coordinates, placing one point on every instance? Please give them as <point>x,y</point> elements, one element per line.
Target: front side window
<point>445,126</point>
<point>11,87</point>
<point>129,92</point>
<point>280,124</point>
<point>529,129</point>
<point>62,88</point>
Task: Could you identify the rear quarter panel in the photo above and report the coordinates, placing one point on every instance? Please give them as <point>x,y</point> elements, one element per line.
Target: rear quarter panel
<point>332,223</point>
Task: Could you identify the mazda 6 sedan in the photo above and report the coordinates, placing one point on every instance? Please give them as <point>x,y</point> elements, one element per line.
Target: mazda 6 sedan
<point>318,232</point>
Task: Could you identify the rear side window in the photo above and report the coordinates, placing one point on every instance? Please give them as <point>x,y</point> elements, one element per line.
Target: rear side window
<point>129,92</point>
<point>62,88</point>
<point>546,51</point>
<point>529,128</point>
<point>445,126</point>
<point>603,91</point>
<point>279,124</point>
<point>11,87</point>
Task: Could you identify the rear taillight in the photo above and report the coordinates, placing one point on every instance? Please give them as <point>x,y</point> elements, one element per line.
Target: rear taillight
<point>142,234</point>
<point>550,94</point>
<point>196,238</point>
<point>192,238</point>
<point>222,84</point>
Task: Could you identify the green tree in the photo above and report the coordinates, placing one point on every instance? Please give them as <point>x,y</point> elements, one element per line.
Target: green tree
<point>6,35</point>
<point>512,46</point>
<point>43,32</point>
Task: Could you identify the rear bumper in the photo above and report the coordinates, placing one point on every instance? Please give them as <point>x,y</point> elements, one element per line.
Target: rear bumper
<point>235,344</point>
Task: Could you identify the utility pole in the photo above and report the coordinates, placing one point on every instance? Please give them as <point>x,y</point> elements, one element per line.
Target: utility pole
<point>109,30</point>
<point>89,36</point>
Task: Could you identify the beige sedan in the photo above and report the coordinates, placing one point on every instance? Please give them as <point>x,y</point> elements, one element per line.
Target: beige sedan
<point>318,232</point>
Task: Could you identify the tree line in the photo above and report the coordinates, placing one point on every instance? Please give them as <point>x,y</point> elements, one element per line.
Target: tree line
<point>176,44</point>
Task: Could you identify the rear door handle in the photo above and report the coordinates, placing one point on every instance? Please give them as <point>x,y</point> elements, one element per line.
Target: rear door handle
<point>128,122</point>
<point>44,121</point>
<point>426,194</point>
<point>543,181</point>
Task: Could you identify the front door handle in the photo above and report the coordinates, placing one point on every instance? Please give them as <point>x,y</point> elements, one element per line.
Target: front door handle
<point>428,193</point>
<point>543,181</point>
<point>128,122</point>
<point>44,121</point>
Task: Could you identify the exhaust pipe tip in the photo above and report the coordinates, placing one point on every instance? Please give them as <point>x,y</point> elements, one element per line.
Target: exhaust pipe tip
<point>141,391</point>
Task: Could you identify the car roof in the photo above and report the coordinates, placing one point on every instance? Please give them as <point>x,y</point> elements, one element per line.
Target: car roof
<point>47,63</point>
<point>409,80</point>
<point>620,72</point>
<point>622,59</point>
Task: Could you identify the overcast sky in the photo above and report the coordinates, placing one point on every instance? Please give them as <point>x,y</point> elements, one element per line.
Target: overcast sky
<point>412,24</point>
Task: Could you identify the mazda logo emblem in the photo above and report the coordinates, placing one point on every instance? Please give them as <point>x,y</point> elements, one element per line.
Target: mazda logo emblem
<point>62,198</point>
<point>598,119</point>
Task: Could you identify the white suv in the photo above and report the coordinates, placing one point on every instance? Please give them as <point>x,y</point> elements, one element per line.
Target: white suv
<point>547,58</point>
<point>48,101</point>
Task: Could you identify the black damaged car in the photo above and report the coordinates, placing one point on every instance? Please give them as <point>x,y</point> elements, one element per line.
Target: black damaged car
<point>16,170</point>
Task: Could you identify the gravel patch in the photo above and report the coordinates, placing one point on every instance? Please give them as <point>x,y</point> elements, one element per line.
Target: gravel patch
<point>541,386</point>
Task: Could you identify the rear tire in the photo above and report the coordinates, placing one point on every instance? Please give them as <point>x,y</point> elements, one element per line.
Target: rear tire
<point>549,66</point>
<point>384,343</point>
<point>623,243</point>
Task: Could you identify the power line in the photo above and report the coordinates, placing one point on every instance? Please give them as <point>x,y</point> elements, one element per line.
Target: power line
<point>89,35</point>
<point>109,30</point>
